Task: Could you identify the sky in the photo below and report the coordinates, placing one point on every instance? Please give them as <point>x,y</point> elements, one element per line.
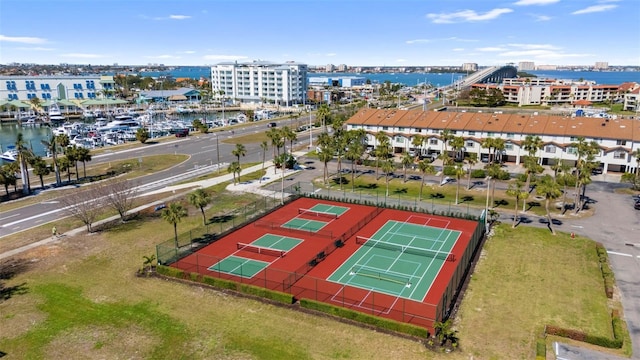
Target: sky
<point>320,32</point>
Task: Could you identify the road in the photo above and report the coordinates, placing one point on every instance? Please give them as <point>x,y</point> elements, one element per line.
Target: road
<point>205,151</point>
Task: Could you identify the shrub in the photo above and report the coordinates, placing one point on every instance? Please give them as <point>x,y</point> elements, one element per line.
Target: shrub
<point>478,174</point>
<point>541,348</point>
<point>365,318</point>
<point>449,170</point>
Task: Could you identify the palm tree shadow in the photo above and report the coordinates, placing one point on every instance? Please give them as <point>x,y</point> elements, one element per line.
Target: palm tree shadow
<point>400,191</point>
<point>467,198</point>
<point>221,219</point>
<point>532,204</point>
<point>8,270</point>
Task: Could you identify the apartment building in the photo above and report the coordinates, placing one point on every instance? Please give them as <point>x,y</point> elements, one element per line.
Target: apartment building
<point>259,81</point>
<point>618,139</point>
<point>62,87</point>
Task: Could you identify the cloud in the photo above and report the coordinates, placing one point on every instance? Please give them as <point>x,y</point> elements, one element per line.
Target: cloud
<point>418,41</point>
<point>534,2</point>
<point>594,9</point>
<point>491,49</point>
<point>179,17</point>
<point>35,48</point>
<point>22,39</point>
<point>534,46</point>
<point>82,56</point>
<point>539,18</point>
<point>187,52</point>
<point>225,57</point>
<point>467,16</point>
<point>170,17</point>
<point>457,49</point>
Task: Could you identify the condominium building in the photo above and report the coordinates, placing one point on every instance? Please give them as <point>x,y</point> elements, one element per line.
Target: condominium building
<point>617,139</point>
<point>61,87</point>
<point>526,66</point>
<point>260,81</point>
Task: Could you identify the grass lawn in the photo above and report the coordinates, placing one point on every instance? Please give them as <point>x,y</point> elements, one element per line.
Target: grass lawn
<point>80,298</point>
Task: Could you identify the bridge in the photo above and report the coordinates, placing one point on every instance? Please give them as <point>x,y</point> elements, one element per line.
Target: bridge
<point>493,74</point>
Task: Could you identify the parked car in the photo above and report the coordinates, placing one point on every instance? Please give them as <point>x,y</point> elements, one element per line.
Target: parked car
<point>637,205</point>
<point>182,133</point>
<point>596,171</point>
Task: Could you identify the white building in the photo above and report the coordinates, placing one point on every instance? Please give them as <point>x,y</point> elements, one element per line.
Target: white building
<point>526,66</point>
<point>259,81</point>
<point>84,87</point>
<point>617,139</point>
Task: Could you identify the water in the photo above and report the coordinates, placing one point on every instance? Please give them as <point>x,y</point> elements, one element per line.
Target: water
<point>31,135</point>
<point>411,79</point>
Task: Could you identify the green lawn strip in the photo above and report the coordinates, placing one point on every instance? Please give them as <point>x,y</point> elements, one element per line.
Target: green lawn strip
<point>527,278</point>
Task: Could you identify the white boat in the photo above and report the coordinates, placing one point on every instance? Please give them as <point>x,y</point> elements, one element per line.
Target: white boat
<point>10,155</point>
<point>55,114</point>
<point>116,125</point>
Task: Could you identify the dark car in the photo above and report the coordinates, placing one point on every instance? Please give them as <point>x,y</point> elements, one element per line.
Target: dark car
<point>271,124</point>
<point>182,133</point>
<point>596,171</point>
<point>637,205</point>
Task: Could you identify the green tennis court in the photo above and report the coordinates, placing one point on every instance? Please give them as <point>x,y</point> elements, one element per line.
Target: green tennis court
<point>305,224</point>
<point>330,209</point>
<point>267,244</point>
<point>401,259</point>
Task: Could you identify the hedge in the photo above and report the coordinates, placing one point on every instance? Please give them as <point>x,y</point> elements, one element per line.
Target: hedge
<point>541,349</point>
<point>607,273</point>
<point>365,318</point>
<point>615,343</point>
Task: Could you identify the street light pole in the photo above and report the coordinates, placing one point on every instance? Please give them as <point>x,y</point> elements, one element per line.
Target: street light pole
<point>310,134</point>
<point>217,152</point>
<point>486,206</point>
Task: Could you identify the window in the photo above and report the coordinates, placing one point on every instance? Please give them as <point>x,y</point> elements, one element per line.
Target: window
<point>550,149</point>
<point>572,150</point>
<point>433,141</point>
<point>385,128</point>
<point>508,146</point>
<point>510,135</point>
<point>400,129</point>
<point>621,142</point>
<point>470,144</point>
<point>399,139</point>
<point>620,155</point>
<point>490,134</point>
<point>472,133</point>
<point>573,138</point>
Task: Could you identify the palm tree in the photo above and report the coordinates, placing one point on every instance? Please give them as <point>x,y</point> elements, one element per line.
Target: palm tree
<point>387,168</point>
<point>24,155</point>
<point>488,143</point>
<point>425,168</point>
<point>65,165</point>
<point>531,145</point>
<point>355,150</point>
<point>518,192</point>
<point>200,199</point>
<point>40,168</point>
<point>240,150</point>
<point>173,214</point>
<point>264,145</point>
<point>382,150</point>
<point>446,135</point>
<point>457,144</point>
<point>7,177</point>
<point>234,168</point>
<point>406,161</point>
<point>52,147</point>
<point>277,142</point>
<point>83,154</point>
<point>323,114</point>
<point>550,190</point>
<point>416,142</point>
<point>459,173</point>
<point>472,159</point>
<point>289,135</point>
<point>493,171</point>
<point>446,161</point>
<point>498,147</point>
<point>72,154</point>
<point>325,155</point>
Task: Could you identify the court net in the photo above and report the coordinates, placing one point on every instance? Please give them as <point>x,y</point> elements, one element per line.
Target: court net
<point>324,214</point>
<point>261,250</point>
<point>379,274</point>
<point>442,255</point>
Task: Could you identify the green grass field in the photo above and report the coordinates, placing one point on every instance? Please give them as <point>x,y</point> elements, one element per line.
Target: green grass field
<point>80,298</point>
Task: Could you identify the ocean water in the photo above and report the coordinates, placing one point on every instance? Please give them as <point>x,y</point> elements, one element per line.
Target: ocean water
<point>437,79</point>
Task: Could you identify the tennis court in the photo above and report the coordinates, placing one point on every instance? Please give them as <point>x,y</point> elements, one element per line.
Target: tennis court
<point>271,245</point>
<point>401,259</point>
<point>315,218</point>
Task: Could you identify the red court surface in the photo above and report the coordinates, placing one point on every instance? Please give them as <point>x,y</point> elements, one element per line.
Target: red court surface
<point>304,269</point>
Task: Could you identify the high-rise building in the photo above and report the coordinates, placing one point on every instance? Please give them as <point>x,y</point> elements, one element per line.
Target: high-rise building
<point>601,65</point>
<point>469,67</point>
<point>258,81</point>
<point>526,66</point>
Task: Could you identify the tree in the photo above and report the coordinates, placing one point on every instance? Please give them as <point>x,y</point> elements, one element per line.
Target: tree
<point>264,146</point>
<point>446,161</point>
<point>82,205</point>
<point>446,135</point>
<point>585,152</point>
<point>406,161</point>
<point>550,190</point>
<point>24,156</point>
<point>383,149</point>
<point>494,172</point>
<point>471,159</point>
<point>40,168</point>
<point>323,115</point>
<point>387,168</point>
<point>72,155</point>
<point>517,192</point>
<point>119,195</point>
<point>173,214</point>
<point>488,144</point>
<point>234,168</point>
<point>142,135</point>
<point>425,168</point>
<point>325,155</point>
<point>459,173</point>
<point>200,199</point>
<point>356,140</point>
<point>83,154</point>
<point>531,145</point>
<point>277,142</point>
<point>445,332</point>
<point>290,135</point>
<point>51,145</point>
<point>457,144</point>
<point>417,141</point>
<point>7,177</point>
<point>240,150</point>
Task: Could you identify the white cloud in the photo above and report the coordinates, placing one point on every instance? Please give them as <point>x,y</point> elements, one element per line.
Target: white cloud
<point>331,54</point>
<point>467,16</point>
<point>491,49</point>
<point>187,52</point>
<point>225,57</point>
<point>179,17</point>
<point>418,41</point>
<point>534,46</point>
<point>82,56</point>
<point>539,18</point>
<point>535,2</point>
<point>170,17</point>
<point>35,48</point>
<point>594,9</point>
<point>457,49</point>
<point>22,39</point>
